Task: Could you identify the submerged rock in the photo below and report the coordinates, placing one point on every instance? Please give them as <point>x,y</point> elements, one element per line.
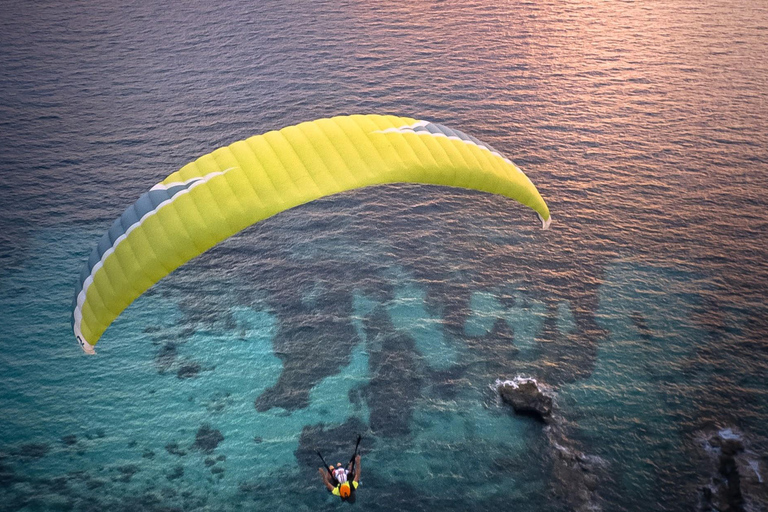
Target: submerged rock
<point>207,438</point>
<point>95,483</point>
<point>34,450</point>
<point>177,472</point>
<point>526,397</point>
<point>126,473</point>
<point>166,357</point>
<point>173,449</point>
<point>7,475</point>
<point>188,370</point>
<point>69,440</point>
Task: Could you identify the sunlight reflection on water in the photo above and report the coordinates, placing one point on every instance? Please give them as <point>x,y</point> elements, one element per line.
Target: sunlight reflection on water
<point>643,125</point>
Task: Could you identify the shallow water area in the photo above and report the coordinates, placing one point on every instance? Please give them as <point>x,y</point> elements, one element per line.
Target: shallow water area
<point>391,311</point>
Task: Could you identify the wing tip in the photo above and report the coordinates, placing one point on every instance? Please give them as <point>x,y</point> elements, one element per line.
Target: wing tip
<point>545,223</point>
<point>87,347</point>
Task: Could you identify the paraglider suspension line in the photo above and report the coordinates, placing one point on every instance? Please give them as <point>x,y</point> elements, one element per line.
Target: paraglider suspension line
<point>352,460</point>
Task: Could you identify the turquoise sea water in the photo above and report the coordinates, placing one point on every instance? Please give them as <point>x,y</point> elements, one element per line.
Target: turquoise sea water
<point>389,311</point>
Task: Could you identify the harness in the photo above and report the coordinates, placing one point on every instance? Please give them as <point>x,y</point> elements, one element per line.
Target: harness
<point>352,487</point>
<point>340,474</point>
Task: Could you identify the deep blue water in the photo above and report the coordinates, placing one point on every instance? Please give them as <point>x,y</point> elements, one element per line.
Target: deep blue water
<point>389,311</point>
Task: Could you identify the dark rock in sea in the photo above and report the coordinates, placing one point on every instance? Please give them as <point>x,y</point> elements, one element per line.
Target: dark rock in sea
<point>207,438</point>
<point>33,450</point>
<point>217,470</point>
<point>258,439</point>
<point>132,443</point>
<point>736,483</point>
<point>69,440</point>
<point>173,449</point>
<point>209,461</point>
<point>177,472</point>
<point>148,454</point>
<point>221,458</point>
<point>575,476</point>
<point>527,398</point>
<point>188,370</point>
<point>731,447</point>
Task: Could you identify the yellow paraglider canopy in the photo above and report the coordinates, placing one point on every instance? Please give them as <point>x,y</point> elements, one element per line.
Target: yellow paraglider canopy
<point>221,193</point>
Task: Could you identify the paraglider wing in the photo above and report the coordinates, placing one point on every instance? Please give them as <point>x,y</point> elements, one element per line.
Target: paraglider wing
<point>221,193</point>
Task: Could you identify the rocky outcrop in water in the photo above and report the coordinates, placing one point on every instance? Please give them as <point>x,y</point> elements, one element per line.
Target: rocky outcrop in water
<point>736,483</point>
<point>527,397</point>
<point>575,476</point>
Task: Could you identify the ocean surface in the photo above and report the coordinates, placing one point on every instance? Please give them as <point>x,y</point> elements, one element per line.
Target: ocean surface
<point>389,311</point>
